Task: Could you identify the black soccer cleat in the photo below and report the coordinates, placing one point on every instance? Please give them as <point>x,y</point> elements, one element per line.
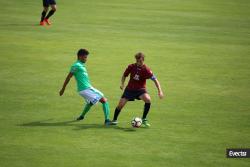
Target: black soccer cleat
<point>80,118</point>
<point>114,122</point>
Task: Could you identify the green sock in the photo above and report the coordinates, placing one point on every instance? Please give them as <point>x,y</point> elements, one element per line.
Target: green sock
<point>106,110</point>
<point>86,109</point>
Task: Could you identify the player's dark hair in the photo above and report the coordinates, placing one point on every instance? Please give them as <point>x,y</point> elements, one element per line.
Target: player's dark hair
<point>82,52</point>
<point>139,55</point>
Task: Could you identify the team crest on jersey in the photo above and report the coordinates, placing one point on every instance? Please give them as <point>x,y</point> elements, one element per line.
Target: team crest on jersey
<point>136,77</point>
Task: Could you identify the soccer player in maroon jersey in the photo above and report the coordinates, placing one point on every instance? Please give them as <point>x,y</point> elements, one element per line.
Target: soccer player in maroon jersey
<point>136,88</point>
<point>46,4</point>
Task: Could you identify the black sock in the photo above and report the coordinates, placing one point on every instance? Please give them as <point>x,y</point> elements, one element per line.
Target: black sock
<point>51,12</point>
<point>146,110</point>
<point>43,15</point>
<point>117,112</point>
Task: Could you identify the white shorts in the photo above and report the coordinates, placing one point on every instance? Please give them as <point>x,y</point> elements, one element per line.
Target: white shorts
<point>91,95</point>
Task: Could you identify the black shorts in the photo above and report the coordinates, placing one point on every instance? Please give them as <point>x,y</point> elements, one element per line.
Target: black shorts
<point>46,3</point>
<point>131,95</point>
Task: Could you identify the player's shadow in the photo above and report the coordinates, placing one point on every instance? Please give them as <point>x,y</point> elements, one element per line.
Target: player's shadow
<point>76,126</point>
<point>6,25</point>
<point>125,129</point>
<point>88,126</point>
<point>45,123</point>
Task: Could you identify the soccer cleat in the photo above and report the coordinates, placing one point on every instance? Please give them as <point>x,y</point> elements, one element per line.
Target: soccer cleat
<point>114,122</point>
<point>80,118</point>
<point>47,21</point>
<point>107,122</point>
<point>42,23</point>
<point>145,123</point>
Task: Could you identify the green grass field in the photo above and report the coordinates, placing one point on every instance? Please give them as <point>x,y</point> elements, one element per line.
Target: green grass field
<point>199,50</point>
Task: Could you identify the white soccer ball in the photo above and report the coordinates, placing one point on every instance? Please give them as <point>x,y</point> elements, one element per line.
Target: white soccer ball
<point>136,122</point>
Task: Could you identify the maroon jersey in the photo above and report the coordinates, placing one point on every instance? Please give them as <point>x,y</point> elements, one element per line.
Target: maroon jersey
<point>138,76</point>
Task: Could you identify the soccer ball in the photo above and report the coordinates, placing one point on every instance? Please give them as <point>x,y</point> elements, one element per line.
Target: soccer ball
<point>136,122</point>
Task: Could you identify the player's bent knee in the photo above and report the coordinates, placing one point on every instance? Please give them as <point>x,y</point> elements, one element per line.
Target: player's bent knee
<point>53,8</point>
<point>147,100</point>
<point>103,100</point>
<point>120,106</point>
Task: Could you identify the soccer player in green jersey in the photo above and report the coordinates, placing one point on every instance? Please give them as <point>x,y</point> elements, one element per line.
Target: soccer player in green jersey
<point>84,87</point>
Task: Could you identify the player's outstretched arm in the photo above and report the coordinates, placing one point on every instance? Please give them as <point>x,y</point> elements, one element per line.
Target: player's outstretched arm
<point>158,85</point>
<point>122,82</point>
<point>65,83</point>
